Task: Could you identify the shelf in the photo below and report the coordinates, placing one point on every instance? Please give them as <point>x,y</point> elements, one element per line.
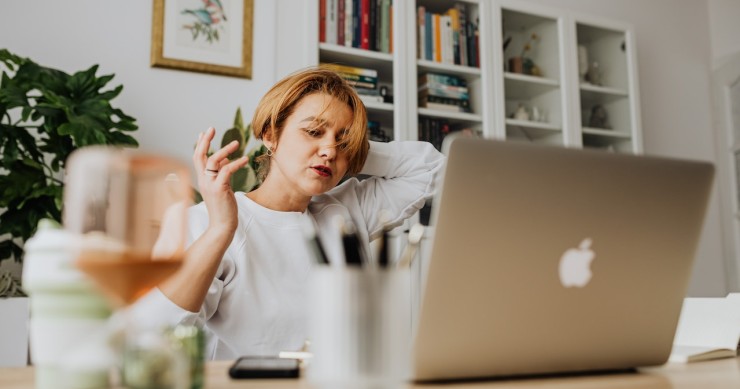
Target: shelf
<point>466,72</point>
<point>353,52</point>
<point>528,124</point>
<point>597,89</point>
<point>382,62</point>
<point>522,86</point>
<point>459,116</point>
<point>377,106</point>
<point>606,133</point>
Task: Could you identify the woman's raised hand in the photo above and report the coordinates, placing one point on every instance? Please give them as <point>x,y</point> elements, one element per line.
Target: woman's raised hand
<point>214,181</point>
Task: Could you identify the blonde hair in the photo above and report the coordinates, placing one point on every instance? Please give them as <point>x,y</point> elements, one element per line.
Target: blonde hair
<point>280,102</point>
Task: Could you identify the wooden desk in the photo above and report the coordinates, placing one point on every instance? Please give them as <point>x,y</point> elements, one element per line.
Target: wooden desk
<point>724,373</point>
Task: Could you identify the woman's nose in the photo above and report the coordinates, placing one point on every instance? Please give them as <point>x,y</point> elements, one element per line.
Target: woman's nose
<point>328,151</point>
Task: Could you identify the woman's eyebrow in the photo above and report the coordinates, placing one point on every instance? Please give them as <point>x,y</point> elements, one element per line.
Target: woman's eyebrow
<point>318,121</point>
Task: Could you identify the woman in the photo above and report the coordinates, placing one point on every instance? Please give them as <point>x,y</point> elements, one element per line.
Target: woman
<point>246,271</point>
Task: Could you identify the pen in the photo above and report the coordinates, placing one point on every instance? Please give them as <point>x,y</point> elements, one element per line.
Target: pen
<point>317,249</point>
<point>351,245</point>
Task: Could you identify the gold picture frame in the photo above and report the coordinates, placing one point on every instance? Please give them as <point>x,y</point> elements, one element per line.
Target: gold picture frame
<point>200,36</point>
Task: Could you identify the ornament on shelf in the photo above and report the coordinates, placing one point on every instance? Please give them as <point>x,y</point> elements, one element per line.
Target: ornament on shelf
<point>521,113</point>
<point>599,118</point>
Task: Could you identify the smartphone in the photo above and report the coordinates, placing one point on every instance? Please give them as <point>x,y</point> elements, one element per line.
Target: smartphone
<point>264,367</point>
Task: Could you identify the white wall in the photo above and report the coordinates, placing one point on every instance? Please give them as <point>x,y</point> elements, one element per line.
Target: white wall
<point>724,29</point>
<point>674,60</point>
<point>171,106</point>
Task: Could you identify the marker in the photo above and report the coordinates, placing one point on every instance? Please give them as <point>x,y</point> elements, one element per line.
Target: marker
<point>384,255</point>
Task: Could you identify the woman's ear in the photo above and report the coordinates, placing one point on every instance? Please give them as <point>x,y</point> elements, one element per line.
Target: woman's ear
<point>267,139</point>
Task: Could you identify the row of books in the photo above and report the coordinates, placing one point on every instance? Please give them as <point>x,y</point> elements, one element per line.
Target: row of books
<point>443,92</point>
<point>434,131</point>
<point>451,37</point>
<point>363,24</point>
<point>364,80</point>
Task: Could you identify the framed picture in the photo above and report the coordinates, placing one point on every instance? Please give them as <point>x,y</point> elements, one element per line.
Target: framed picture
<point>209,36</point>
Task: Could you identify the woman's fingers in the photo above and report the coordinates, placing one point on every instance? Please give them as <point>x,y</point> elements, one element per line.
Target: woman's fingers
<point>228,169</point>
<point>214,161</point>
<point>201,148</point>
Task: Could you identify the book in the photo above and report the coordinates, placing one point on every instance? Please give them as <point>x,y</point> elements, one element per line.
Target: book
<point>331,21</point>
<point>322,21</point>
<point>368,99</point>
<point>421,41</point>
<point>708,328</point>
<point>365,24</point>
<point>428,78</point>
<point>351,69</point>
<point>349,28</point>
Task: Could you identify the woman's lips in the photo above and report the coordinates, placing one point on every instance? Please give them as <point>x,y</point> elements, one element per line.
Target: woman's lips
<point>322,170</point>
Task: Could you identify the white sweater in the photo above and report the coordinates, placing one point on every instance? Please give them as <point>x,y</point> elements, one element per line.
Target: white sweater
<point>256,304</point>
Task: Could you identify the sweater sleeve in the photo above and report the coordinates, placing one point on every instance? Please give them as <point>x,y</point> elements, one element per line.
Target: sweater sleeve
<point>156,309</point>
<point>404,175</point>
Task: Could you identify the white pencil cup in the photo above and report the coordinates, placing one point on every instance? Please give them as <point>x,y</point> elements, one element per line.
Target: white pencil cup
<point>360,327</point>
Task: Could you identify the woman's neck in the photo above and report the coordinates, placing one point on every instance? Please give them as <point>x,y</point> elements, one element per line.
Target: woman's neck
<point>278,200</point>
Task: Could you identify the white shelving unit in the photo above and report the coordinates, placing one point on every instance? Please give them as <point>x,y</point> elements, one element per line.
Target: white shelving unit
<point>535,37</point>
<point>563,99</point>
<point>605,71</point>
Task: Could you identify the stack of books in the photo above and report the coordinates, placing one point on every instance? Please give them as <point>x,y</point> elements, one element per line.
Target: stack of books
<point>365,81</point>
<point>443,92</point>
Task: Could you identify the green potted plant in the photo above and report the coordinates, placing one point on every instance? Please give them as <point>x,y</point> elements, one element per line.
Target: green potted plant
<point>45,114</point>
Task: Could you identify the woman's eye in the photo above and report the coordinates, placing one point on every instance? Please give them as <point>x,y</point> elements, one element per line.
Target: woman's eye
<point>313,132</point>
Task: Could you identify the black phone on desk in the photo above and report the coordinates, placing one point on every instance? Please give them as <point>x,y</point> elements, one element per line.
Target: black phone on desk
<point>264,367</point>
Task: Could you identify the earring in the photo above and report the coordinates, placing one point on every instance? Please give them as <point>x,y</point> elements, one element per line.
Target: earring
<point>269,152</point>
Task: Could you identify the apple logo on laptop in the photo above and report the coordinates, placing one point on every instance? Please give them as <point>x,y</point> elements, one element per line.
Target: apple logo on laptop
<point>575,265</point>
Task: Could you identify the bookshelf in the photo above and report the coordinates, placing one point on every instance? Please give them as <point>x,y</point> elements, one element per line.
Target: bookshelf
<point>541,97</point>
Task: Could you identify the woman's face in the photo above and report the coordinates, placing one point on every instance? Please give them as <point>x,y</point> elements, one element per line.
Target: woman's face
<point>307,159</point>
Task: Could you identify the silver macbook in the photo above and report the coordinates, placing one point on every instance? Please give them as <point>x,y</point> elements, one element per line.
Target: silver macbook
<point>549,260</point>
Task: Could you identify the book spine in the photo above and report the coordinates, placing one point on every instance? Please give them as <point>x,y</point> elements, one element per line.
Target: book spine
<point>365,20</point>
<point>390,27</point>
<point>462,34</point>
<point>373,25</point>
<point>356,23</point>
<point>385,26</point>
<point>331,21</point>
<point>322,21</point>
<point>430,78</point>
<point>351,70</point>
<point>442,92</point>
<point>340,22</point>
<point>420,42</point>
<point>454,16</point>
<point>429,38</point>
<point>437,39</point>
<point>348,27</point>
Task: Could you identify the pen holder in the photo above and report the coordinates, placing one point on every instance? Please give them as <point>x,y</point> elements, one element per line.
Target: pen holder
<point>360,327</point>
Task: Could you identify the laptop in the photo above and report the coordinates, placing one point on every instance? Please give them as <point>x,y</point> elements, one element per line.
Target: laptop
<point>549,260</point>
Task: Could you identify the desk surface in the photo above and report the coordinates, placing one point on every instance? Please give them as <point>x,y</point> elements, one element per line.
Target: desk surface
<point>723,373</point>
